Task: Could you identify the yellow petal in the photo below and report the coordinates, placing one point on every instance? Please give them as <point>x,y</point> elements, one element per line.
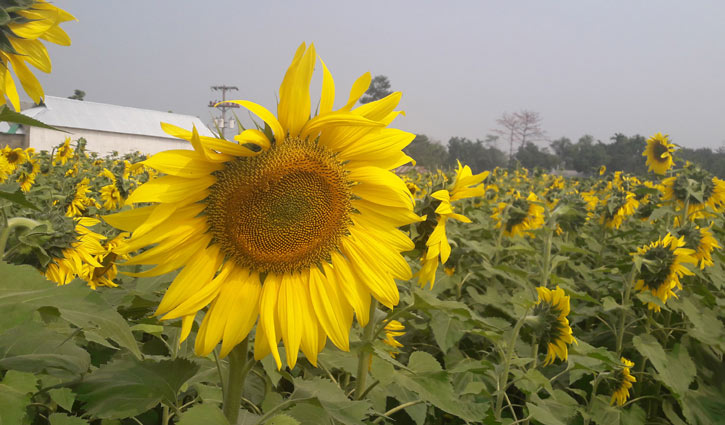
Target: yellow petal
<point>268,316</point>
<point>293,109</point>
<point>358,89</point>
<point>332,310</point>
<point>327,98</point>
<point>172,189</point>
<point>266,116</point>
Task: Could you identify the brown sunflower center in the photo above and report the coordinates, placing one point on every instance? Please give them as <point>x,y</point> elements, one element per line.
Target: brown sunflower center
<point>660,149</point>
<point>283,210</point>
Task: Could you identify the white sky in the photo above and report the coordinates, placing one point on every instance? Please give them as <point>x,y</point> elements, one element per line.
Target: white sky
<point>629,66</point>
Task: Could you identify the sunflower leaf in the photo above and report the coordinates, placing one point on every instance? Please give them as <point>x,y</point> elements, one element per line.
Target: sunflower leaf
<point>78,304</point>
<point>128,387</point>
<point>332,399</point>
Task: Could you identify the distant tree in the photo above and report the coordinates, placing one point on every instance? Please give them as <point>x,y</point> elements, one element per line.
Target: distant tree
<point>78,95</point>
<point>379,88</point>
<point>427,153</point>
<point>565,150</point>
<point>474,154</point>
<point>530,129</point>
<point>508,129</point>
<point>713,162</point>
<point>519,128</point>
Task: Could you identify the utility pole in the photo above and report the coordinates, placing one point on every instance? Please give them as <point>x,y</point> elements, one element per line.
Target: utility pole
<point>224,106</point>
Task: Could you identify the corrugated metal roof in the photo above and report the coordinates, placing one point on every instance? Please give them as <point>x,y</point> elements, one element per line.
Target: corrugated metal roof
<point>71,113</point>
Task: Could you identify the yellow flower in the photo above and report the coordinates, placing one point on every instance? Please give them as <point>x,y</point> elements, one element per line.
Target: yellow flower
<point>663,264</point>
<point>296,226</point>
<point>618,205</point>
<point>520,216</point>
<point>677,189</point>
<point>27,176</point>
<point>84,251</point>
<point>80,202</point>
<point>552,307</point>
<point>5,169</point>
<point>64,152</point>
<point>392,330</point>
<point>702,241</point>
<point>15,157</point>
<point>97,276</point>
<point>624,383</point>
<point>602,170</point>
<point>659,153</point>
<point>466,185</point>
<point>111,197</point>
<point>39,21</point>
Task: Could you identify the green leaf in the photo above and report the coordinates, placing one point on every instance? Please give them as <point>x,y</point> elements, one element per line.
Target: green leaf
<point>128,387</point>
<point>63,419</point>
<point>64,397</point>
<point>78,304</point>
<point>8,115</point>
<point>433,385</point>
<point>34,348</point>
<point>282,420</point>
<point>15,391</point>
<point>447,330</point>
<point>675,369</point>
<point>544,415</point>
<point>204,413</point>
<point>332,399</point>
<point>16,196</point>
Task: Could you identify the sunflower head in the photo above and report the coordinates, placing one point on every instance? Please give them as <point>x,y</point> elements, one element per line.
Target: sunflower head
<point>82,253</point>
<point>393,329</point>
<point>617,206</point>
<point>694,180</point>
<point>659,153</point>
<point>520,215</point>
<point>701,241</point>
<point>551,325</point>
<point>623,380</point>
<point>663,263</point>
<point>295,226</point>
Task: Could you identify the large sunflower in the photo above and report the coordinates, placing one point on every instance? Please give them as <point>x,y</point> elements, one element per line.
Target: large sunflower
<point>659,153</point>
<point>24,27</point>
<point>296,225</point>
<point>663,264</point>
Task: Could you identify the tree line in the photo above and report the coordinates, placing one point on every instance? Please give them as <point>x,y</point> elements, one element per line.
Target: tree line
<point>585,156</point>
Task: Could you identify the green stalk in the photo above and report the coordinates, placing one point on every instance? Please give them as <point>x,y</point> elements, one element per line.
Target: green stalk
<point>547,257</point>
<point>12,224</point>
<point>239,366</point>
<point>365,354</point>
<point>503,379</point>
<point>625,301</point>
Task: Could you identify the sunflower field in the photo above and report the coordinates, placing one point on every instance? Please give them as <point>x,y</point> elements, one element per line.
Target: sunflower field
<point>295,275</point>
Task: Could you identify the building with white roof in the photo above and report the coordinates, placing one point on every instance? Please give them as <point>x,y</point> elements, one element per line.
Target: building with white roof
<point>105,127</point>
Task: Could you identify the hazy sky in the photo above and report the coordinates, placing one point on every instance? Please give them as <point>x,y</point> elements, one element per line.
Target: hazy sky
<point>588,67</point>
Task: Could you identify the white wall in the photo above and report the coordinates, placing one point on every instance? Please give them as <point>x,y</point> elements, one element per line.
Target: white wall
<point>103,142</point>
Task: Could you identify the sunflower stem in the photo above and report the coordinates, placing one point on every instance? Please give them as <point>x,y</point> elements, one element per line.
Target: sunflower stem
<point>13,223</point>
<point>238,369</point>
<point>545,269</point>
<point>365,354</point>
<point>503,379</point>
<point>622,319</point>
